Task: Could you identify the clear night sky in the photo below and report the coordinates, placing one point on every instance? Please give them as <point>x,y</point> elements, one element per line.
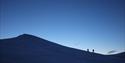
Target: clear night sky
<point>82,24</point>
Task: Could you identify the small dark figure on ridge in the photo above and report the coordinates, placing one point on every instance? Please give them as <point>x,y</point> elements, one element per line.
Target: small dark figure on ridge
<point>87,50</point>
<point>93,50</point>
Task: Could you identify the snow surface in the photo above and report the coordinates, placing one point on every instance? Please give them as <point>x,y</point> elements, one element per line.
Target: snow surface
<point>30,49</point>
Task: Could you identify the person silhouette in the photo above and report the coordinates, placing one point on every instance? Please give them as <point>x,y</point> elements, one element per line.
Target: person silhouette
<point>93,50</point>
<point>87,50</point>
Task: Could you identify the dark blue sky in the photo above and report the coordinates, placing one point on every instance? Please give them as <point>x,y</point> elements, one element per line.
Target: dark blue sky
<point>93,24</point>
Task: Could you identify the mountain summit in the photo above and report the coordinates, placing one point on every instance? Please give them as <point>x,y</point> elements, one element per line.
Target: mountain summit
<point>28,36</point>
<point>31,49</point>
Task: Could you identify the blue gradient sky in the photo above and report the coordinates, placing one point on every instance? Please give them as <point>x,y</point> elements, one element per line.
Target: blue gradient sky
<point>82,24</point>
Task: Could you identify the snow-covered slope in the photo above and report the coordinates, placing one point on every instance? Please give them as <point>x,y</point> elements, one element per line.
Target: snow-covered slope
<point>119,55</point>
<point>31,49</point>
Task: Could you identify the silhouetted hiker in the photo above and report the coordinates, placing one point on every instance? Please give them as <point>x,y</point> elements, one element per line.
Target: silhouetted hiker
<point>93,50</point>
<point>87,50</point>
